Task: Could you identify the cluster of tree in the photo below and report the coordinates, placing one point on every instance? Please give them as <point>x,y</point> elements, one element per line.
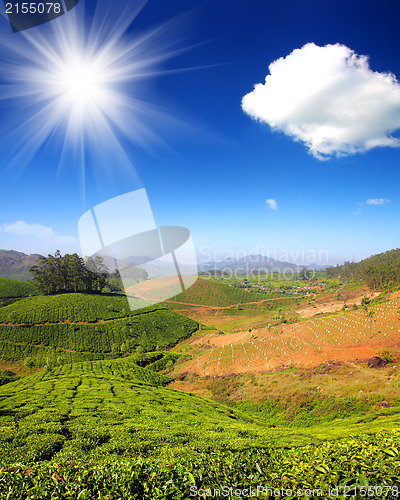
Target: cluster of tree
<point>376,271</point>
<point>69,273</point>
<point>217,272</point>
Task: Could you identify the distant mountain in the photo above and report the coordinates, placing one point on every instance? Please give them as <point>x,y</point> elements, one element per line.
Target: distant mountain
<point>315,267</point>
<point>15,265</point>
<point>250,263</point>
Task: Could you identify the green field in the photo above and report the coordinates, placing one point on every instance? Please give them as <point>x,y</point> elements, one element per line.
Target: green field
<point>13,288</point>
<point>99,418</point>
<point>208,293</point>
<point>77,327</point>
<point>110,427</point>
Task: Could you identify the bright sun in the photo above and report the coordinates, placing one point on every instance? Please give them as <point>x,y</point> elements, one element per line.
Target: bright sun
<point>77,90</point>
<point>81,88</point>
<point>81,82</point>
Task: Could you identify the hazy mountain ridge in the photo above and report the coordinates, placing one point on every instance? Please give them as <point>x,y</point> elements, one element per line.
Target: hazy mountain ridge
<point>16,265</point>
<point>255,262</point>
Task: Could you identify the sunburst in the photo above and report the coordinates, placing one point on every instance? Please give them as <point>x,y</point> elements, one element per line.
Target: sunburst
<point>74,84</point>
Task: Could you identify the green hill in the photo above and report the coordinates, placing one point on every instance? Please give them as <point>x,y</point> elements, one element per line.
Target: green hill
<point>96,424</point>
<point>377,271</point>
<point>108,429</point>
<point>68,307</point>
<point>75,327</point>
<point>14,289</point>
<point>205,292</point>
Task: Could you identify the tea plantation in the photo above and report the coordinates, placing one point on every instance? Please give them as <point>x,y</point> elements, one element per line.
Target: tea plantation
<point>205,292</point>
<point>95,424</point>
<point>14,288</point>
<point>75,327</point>
<point>109,429</point>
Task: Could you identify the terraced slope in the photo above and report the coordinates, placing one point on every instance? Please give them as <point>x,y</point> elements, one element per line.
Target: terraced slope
<point>116,410</point>
<point>96,409</point>
<point>345,336</point>
<point>14,288</point>
<point>208,293</point>
<point>74,327</point>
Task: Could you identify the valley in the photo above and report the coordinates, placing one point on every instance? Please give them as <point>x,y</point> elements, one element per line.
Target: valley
<point>243,378</point>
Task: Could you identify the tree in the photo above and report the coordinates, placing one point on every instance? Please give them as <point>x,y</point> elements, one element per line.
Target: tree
<point>365,301</point>
<point>139,354</point>
<point>96,273</point>
<point>69,273</point>
<point>114,283</point>
<point>305,274</point>
<point>44,276</point>
<point>74,272</point>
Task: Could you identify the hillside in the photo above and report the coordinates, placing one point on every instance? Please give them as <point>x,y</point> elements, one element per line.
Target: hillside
<point>345,336</point>
<point>205,292</point>
<point>377,271</point>
<point>15,289</point>
<point>70,327</point>
<point>145,404</point>
<point>109,427</point>
<point>16,265</point>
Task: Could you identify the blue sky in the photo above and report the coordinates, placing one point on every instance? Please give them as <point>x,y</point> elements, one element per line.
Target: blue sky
<point>211,166</point>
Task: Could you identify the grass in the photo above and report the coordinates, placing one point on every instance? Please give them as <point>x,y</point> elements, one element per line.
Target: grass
<point>206,292</point>
<point>246,316</point>
<point>103,409</point>
<point>78,327</point>
<point>15,289</point>
<point>108,428</point>
<point>72,307</point>
<point>313,468</point>
<point>345,381</point>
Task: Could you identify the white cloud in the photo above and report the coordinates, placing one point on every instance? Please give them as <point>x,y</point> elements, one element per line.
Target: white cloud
<point>23,229</point>
<point>272,204</point>
<point>35,238</point>
<point>377,201</point>
<point>329,99</point>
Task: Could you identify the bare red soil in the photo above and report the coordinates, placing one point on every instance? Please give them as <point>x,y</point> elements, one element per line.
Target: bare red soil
<point>347,336</point>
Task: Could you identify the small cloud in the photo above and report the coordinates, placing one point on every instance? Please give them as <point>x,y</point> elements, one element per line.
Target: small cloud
<point>377,201</point>
<point>36,238</point>
<point>371,201</point>
<point>272,204</point>
<point>23,229</point>
<point>329,99</point>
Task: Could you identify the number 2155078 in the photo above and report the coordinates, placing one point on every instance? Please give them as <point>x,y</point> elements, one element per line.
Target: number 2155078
<point>33,8</point>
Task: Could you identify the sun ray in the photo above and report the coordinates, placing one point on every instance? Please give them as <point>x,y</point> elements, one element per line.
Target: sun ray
<point>76,84</point>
